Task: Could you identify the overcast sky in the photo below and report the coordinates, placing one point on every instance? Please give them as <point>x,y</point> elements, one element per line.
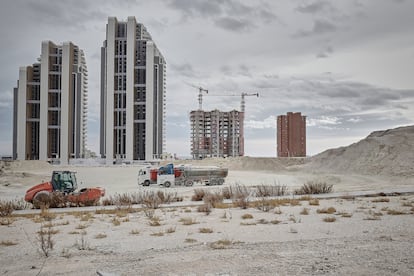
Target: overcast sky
<point>347,65</point>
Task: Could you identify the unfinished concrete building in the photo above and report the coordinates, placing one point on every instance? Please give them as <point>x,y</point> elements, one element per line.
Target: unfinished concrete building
<point>291,135</point>
<point>216,133</point>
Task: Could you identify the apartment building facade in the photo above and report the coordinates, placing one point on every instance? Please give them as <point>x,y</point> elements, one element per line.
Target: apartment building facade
<point>291,135</point>
<point>133,90</point>
<point>216,133</point>
<point>50,106</point>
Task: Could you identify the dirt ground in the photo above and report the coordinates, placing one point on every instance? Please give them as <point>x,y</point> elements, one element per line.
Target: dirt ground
<point>366,235</point>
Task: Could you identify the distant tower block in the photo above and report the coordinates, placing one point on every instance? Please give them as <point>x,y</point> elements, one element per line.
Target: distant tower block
<point>291,135</point>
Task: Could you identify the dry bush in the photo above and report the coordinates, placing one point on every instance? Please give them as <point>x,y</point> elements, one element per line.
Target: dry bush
<point>170,230</point>
<point>157,234</point>
<point>247,216</point>
<point>100,236</point>
<point>329,210</point>
<point>81,226</point>
<point>8,206</point>
<point>134,232</point>
<point>383,199</point>
<point>83,244</point>
<point>154,221</point>
<point>44,237</point>
<point>115,221</point>
<point>345,214</point>
<point>189,240</point>
<point>329,219</point>
<point>205,230</point>
<point>262,221</point>
<point>241,201</point>
<point>213,199</point>
<point>198,195</point>
<point>314,202</point>
<point>221,244</point>
<point>270,190</point>
<point>395,212</point>
<point>305,211</point>
<point>249,223</point>
<point>7,243</point>
<point>188,221</point>
<point>313,187</point>
<point>205,208</point>
<point>275,221</point>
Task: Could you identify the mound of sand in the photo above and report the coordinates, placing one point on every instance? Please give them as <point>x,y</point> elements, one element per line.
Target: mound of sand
<point>389,152</point>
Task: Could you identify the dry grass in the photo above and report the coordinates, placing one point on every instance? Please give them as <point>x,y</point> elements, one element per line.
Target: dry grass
<point>154,221</point>
<point>329,210</point>
<point>248,223</point>
<point>100,236</point>
<point>134,232</point>
<point>305,211</point>
<point>198,194</point>
<point>81,226</point>
<point>313,187</point>
<point>221,244</point>
<point>314,202</point>
<point>381,199</point>
<point>190,240</point>
<point>395,212</point>
<point>157,234</point>
<point>329,219</point>
<point>8,243</point>
<point>262,221</point>
<point>74,232</point>
<point>275,221</point>
<point>205,208</point>
<point>270,190</point>
<point>170,230</point>
<point>247,216</point>
<point>188,221</point>
<point>205,230</point>
<point>345,214</point>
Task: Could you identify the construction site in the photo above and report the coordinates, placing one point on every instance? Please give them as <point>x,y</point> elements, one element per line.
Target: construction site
<point>217,133</point>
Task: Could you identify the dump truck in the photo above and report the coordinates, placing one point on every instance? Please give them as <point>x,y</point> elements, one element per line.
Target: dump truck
<point>61,191</point>
<point>182,175</point>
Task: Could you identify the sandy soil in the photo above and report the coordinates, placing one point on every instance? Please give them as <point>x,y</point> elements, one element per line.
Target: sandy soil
<point>281,241</point>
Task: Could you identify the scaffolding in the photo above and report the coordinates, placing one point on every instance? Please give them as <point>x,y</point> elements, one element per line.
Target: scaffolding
<point>216,133</point>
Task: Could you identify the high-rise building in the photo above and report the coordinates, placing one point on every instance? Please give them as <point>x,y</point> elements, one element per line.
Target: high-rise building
<point>291,135</point>
<point>132,94</point>
<point>50,106</point>
<point>216,133</point>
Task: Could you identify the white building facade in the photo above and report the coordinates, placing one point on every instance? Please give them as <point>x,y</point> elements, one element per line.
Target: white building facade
<point>132,94</point>
<point>50,106</point>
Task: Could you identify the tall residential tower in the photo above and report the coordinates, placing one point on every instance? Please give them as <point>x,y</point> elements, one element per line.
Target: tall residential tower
<point>132,94</point>
<point>50,106</point>
<point>291,135</point>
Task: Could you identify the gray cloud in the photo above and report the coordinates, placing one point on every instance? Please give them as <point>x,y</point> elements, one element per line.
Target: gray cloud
<point>320,26</point>
<point>184,69</point>
<point>316,7</point>
<point>234,24</point>
<point>326,52</point>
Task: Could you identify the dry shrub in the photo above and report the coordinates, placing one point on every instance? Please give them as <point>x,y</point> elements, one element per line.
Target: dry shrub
<point>157,234</point>
<point>154,221</point>
<point>262,221</point>
<point>270,190</point>
<point>213,199</point>
<point>305,211</point>
<point>221,244</point>
<point>100,236</point>
<point>383,199</point>
<point>44,237</point>
<point>198,195</point>
<point>115,221</point>
<point>188,221</point>
<point>313,187</point>
<point>329,219</point>
<point>170,230</point>
<point>395,212</point>
<point>189,240</point>
<point>205,208</point>
<point>329,210</point>
<point>241,201</point>
<point>247,216</point>
<point>275,221</point>
<point>7,243</point>
<point>134,232</point>
<point>314,202</point>
<point>8,206</point>
<point>205,230</point>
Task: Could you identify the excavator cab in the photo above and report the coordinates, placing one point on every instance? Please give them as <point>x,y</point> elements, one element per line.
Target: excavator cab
<point>64,181</point>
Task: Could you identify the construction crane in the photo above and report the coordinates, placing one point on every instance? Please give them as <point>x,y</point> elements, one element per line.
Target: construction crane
<point>200,95</point>
<point>243,101</point>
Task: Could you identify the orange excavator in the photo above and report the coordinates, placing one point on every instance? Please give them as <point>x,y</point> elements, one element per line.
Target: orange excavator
<point>61,191</point>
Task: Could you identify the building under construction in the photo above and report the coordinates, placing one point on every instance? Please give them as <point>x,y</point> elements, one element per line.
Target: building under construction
<point>216,133</point>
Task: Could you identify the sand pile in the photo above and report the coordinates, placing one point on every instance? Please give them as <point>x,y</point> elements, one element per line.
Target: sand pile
<point>389,152</point>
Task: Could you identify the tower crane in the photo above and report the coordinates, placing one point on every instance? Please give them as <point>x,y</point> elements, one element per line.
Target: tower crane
<point>200,95</point>
<point>243,101</point>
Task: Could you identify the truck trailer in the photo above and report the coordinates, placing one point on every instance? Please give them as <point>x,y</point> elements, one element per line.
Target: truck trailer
<point>182,175</point>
